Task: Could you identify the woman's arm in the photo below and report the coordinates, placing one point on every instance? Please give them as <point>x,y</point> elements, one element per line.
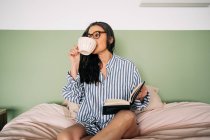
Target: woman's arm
<point>142,100</point>
<point>73,91</point>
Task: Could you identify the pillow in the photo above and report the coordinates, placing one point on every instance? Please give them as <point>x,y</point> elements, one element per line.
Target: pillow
<point>155,102</point>
<point>72,107</point>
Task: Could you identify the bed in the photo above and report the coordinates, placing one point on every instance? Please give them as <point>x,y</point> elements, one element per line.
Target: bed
<point>177,120</point>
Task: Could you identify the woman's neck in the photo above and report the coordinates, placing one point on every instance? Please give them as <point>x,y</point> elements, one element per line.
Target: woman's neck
<point>105,57</point>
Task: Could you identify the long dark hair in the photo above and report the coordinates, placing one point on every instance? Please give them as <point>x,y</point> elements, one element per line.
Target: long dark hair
<point>89,67</point>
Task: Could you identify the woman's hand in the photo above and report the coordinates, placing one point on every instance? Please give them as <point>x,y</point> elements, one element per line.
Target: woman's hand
<point>74,57</point>
<point>143,93</point>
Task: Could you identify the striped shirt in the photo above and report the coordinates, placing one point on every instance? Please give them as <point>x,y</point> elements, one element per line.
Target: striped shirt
<point>122,77</point>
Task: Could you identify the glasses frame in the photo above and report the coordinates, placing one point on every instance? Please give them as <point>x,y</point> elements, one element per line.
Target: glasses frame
<point>92,35</point>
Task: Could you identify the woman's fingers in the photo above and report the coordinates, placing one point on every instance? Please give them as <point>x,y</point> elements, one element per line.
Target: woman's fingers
<point>74,51</point>
<point>143,93</point>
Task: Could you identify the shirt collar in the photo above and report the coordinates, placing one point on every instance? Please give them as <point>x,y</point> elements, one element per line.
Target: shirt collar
<point>110,63</point>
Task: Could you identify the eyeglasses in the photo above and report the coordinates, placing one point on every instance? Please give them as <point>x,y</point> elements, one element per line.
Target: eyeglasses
<point>96,34</point>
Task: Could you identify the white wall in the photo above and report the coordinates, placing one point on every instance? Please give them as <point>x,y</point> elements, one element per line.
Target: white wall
<point>77,14</point>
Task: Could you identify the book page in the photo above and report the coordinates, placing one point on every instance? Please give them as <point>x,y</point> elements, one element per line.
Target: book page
<point>116,102</point>
<point>135,92</point>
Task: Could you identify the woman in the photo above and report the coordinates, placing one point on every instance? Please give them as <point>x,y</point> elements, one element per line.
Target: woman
<point>93,79</point>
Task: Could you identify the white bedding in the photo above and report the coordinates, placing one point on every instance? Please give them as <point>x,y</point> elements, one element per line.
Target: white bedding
<point>43,121</point>
<point>184,120</point>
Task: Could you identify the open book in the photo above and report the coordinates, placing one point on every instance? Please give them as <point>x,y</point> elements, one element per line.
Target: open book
<point>112,106</point>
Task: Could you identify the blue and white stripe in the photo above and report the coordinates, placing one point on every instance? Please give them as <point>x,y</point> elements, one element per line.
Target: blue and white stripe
<point>122,77</point>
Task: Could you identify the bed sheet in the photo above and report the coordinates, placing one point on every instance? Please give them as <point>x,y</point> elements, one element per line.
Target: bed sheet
<point>43,121</point>
<point>183,120</point>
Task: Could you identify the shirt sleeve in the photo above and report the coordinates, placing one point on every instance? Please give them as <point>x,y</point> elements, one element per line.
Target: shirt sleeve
<point>73,91</point>
<point>138,104</point>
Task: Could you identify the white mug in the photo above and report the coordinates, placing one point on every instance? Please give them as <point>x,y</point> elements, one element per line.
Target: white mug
<point>86,45</point>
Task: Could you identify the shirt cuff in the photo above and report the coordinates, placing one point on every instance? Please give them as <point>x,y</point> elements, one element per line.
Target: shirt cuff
<point>71,79</point>
<point>146,99</point>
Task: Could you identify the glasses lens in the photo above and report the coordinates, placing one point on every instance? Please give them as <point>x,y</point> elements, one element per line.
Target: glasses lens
<point>96,35</point>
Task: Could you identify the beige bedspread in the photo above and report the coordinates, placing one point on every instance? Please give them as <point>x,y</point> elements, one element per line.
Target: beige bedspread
<point>182,120</point>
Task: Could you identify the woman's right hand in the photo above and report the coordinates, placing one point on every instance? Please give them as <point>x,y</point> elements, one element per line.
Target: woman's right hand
<point>74,57</point>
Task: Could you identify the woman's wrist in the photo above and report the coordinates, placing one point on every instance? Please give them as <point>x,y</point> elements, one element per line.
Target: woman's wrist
<point>74,71</point>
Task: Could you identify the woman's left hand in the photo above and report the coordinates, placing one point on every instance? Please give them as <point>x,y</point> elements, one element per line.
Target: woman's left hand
<point>142,94</point>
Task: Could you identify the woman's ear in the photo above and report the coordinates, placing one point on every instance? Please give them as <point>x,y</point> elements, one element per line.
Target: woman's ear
<point>111,40</point>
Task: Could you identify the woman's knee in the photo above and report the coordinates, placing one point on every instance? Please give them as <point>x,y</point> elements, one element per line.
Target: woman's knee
<point>64,135</point>
<point>74,132</point>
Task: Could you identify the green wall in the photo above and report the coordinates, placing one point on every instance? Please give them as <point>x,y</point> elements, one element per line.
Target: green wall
<point>33,64</point>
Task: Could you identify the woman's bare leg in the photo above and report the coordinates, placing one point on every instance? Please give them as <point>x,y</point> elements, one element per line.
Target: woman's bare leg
<point>87,138</point>
<point>123,125</point>
<point>74,132</point>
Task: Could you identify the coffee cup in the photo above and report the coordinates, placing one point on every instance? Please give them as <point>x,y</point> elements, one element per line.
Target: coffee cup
<point>86,45</point>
